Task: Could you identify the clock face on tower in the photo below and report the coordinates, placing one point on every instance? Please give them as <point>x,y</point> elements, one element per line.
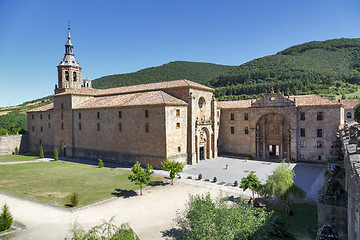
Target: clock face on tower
<point>201,102</point>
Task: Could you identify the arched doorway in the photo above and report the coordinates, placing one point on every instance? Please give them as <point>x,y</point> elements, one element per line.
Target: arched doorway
<point>62,150</point>
<point>204,144</point>
<point>273,137</point>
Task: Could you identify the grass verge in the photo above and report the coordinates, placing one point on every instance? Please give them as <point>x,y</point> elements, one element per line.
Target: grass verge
<point>54,182</point>
<point>17,158</point>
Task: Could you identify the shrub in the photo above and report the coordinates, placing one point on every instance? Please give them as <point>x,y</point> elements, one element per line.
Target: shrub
<point>215,179</point>
<point>200,176</point>
<point>74,199</point>
<point>101,163</point>
<point>5,218</point>
<point>16,151</point>
<point>236,183</point>
<point>56,155</point>
<point>41,155</point>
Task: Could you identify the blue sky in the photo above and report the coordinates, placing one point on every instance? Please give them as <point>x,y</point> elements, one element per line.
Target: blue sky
<point>112,37</point>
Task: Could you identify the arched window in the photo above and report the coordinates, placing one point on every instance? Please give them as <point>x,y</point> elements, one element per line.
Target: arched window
<point>67,76</point>
<point>74,76</point>
<point>348,115</point>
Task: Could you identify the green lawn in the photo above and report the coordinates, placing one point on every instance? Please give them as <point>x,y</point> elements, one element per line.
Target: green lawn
<point>303,224</point>
<point>53,182</point>
<point>16,158</point>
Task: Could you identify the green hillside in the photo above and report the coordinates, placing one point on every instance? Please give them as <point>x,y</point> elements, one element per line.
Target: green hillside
<point>328,67</point>
<point>195,71</point>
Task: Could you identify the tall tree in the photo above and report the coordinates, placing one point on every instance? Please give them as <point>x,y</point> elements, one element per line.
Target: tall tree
<point>172,167</point>
<point>281,184</point>
<point>140,176</point>
<point>41,154</point>
<point>357,113</point>
<point>252,182</point>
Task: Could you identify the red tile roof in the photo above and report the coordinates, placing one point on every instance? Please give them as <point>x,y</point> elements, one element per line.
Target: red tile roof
<point>80,91</point>
<point>235,104</point>
<point>44,108</point>
<point>132,99</point>
<point>349,103</point>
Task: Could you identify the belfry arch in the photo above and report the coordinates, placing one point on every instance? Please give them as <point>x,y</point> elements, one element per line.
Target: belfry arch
<point>273,137</point>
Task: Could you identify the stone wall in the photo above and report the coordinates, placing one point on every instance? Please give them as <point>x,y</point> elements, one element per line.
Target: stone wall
<point>8,143</point>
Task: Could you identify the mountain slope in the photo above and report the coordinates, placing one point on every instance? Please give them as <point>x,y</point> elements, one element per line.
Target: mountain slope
<point>194,71</point>
<point>329,68</point>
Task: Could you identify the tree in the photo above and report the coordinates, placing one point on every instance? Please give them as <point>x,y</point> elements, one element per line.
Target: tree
<point>252,182</point>
<point>204,218</point>
<point>56,155</point>
<point>281,184</point>
<point>6,218</point>
<point>357,113</point>
<point>41,155</point>
<point>140,176</point>
<point>172,167</point>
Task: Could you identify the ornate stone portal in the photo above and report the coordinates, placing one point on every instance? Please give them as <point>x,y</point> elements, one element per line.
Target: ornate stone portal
<point>273,137</point>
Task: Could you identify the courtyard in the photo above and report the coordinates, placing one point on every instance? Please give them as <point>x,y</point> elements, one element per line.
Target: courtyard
<point>151,214</point>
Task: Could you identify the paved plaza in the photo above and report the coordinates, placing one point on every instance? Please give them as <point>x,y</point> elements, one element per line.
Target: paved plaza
<point>151,214</point>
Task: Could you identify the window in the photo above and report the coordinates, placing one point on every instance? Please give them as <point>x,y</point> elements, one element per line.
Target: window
<point>41,129</point>
<point>302,116</point>
<point>319,116</point>
<point>62,126</point>
<point>146,113</point>
<point>79,126</point>
<point>40,116</point>
<point>120,127</point>
<point>302,132</point>
<point>49,125</point>
<point>319,133</point>
<point>319,144</point>
<point>33,128</point>
<point>348,115</point>
<point>32,116</point>
<point>178,125</point>
<point>178,112</point>
<point>179,149</point>
<point>74,76</point>
<point>40,141</point>
<point>98,126</point>
<point>79,115</point>
<point>319,157</point>
<point>302,156</point>
<point>231,116</point>
<point>62,116</point>
<point>232,130</point>
<point>246,130</point>
<point>218,113</point>
<point>146,127</point>
<point>119,114</point>
<point>302,143</point>
<point>98,114</point>
<point>67,76</point>
<point>246,116</point>
<point>62,106</point>
<point>49,116</point>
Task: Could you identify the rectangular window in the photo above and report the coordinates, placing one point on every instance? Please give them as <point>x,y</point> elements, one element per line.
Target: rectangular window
<point>40,141</point>
<point>33,128</point>
<point>98,126</point>
<point>302,116</point>
<point>246,130</point>
<point>120,127</point>
<point>49,116</point>
<point>178,125</point>
<point>178,112</point>
<point>146,113</point>
<point>79,126</point>
<point>319,157</point>
<point>40,116</point>
<point>41,129</point>
<point>62,126</point>
<point>218,113</point>
<point>231,116</point>
<point>98,114</point>
<point>319,116</point>
<point>246,116</point>
<point>302,132</point>
<point>32,116</point>
<point>119,114</point>
<point>62,106</point>
<point>49,125</point>
<point>319,133</point>
<point>179,149</point>
<point>302,143</point>
<point>319,144</point>
<point>79,115</point>
<point>146,127</point>
<point>232,130</point>
<point>302,156</point>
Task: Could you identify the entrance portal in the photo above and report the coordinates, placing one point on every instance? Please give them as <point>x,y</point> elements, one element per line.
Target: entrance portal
<point>202,153</point>
<point>62,149</point>
<point>273,151</point>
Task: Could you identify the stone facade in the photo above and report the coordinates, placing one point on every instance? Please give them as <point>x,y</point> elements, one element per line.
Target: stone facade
<point>8,143</point>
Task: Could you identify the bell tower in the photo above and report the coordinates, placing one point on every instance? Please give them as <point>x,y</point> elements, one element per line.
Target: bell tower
<point>69,71</point>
